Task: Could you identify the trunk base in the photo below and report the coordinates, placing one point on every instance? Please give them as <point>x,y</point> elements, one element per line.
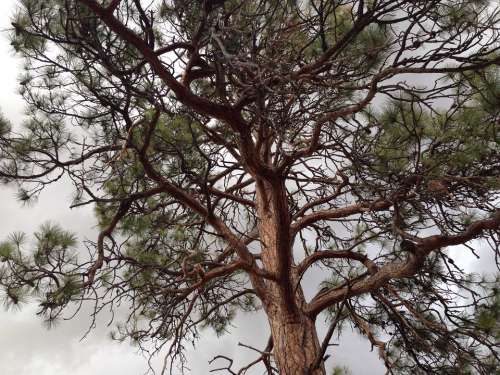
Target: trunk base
<point>296,345</point>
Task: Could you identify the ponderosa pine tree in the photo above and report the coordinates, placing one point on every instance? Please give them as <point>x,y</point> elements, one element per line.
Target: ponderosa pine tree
<point>232,147</point>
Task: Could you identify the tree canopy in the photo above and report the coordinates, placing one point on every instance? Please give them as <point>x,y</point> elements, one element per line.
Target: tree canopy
<point>231,148</point>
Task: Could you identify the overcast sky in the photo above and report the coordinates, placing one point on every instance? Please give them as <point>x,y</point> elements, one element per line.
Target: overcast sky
<point>28,348</point>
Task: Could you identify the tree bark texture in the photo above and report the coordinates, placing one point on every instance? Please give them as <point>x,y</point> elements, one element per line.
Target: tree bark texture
<point>296,344</point>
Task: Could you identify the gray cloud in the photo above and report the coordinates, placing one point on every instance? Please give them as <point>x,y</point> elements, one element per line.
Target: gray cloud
<point>27,347</point>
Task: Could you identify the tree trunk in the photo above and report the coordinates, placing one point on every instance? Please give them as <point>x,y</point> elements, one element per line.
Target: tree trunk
<point>296,343</point>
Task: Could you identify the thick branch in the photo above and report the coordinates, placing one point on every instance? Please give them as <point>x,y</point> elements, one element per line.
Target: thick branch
<point>224,113</point>
<point>402,269</point>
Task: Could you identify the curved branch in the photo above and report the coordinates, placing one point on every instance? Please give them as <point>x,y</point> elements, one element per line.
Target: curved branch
<point>330,254</point>
<point>359,208</point>
<point>122,210</point>
<point>401,269</point>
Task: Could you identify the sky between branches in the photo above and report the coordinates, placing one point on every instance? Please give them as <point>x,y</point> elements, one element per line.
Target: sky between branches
<point>27,347</point>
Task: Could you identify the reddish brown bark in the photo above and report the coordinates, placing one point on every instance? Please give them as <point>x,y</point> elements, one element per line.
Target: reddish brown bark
<point>296,344</point>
